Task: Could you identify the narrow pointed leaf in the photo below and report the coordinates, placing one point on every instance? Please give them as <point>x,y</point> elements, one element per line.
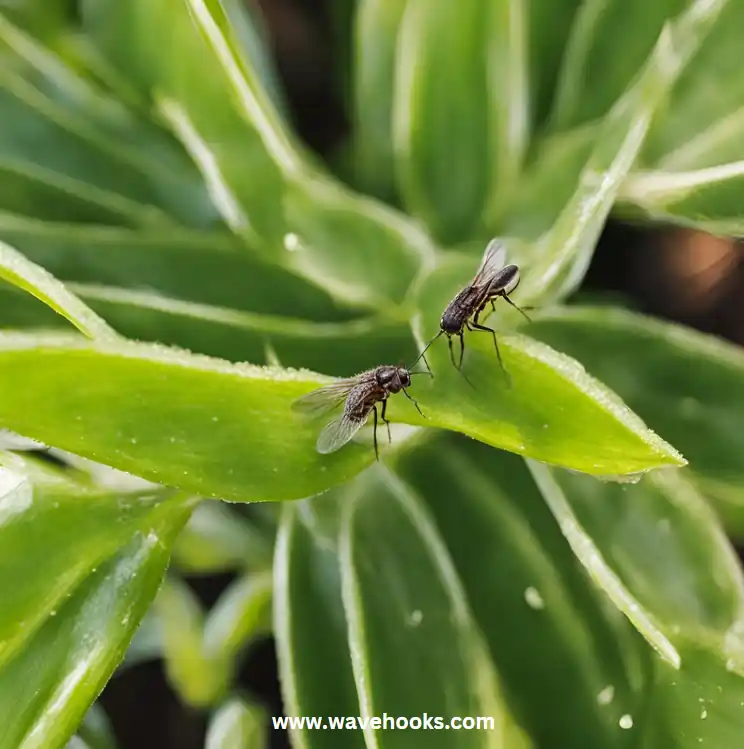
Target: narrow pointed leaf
<point>237,725</point>
<point>240,616</point>
<point>666,545</point>
<point>686,384</point>
<point>132,406</point>
<point>39,132</point>
<point>699,126</point>
<point>58,530</point>
<point>267,188</point>
<point>243,441</point>
<point>71,600</point>
<point>708,199</point>
<point>33,279</point>
<point>558,648</point>
<point>80,647</point>
<point>310,625</point>
<point>566,217</point>
<point>469,58</point>
<point>593,74</point>
<point>599,569</point>
<point>209,267</point>
<point>42,194</point>
<point>548,27</point>
<point>64,102</point>
<point>376,31</point>
<point>237,336</point>
<point>198,679</point>
<point>218,539</point>
<point>562,254</point>
<point>388,543</point>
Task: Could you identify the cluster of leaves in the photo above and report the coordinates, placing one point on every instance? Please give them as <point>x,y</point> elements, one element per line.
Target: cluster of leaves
<point>160,221</point>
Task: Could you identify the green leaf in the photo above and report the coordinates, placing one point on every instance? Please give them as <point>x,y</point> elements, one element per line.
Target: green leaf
<point>96,730</point>
<point>606,578</point>
<point>237,724</point>
<point>136,413</point>
<point>560,651</point>
<point>376,32</point>
<point>683,383</point>
<point>33,279</point>
<point>558,262</point>
<point>708,199</point>
<point>702,704</point>
<point>76,524</point>
<point>666,546</point>
<point>594,71</point>
<point>66,115</point>
<point>198,679</point>
<point>692,171</point>
<point>42,194</point>
<point>266,187</point>
<point>39,133</point>
<point>310,625</point>
<point>549,24</point>
<point>218,539</point>
<point>468,58</point>
<point>82,568</point>
<point>658,541</point>
<point>47,19</point>
<point>240,616</point>
<point>409,618</point>
<point>335,348</point>
<point>210,267</point>
<point>523,418</point>
<point>699,126</point>
<point>576,177</point>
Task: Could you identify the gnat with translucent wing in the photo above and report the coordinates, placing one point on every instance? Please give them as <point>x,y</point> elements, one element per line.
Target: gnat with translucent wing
<point>494,279</point>
<point>361,394</point>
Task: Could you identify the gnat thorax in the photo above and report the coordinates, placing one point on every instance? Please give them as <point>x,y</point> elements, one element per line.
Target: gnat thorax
<point>393,379</point>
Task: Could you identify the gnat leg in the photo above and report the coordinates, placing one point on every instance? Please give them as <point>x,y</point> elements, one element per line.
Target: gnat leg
<point>414,401</point>
<point>519,309</point>
<point>387,423</point>
<point>374,433</point>
<point>452,352</point>
<point>477,326</point>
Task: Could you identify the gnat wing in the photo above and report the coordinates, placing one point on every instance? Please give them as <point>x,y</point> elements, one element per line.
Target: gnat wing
<point>324,399</point>
<point>338,433</point>
<point>494,259</point>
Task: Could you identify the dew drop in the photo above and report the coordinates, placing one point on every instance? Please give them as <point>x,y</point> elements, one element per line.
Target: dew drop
<point>606,695</point>
<point>534,599</point>
<point>704,714</point>
<point>291,242</point>
<point>416,617</point>
<point>626,722</point>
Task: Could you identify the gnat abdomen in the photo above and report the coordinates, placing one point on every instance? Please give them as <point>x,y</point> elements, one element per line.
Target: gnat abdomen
<point>460,310</point>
